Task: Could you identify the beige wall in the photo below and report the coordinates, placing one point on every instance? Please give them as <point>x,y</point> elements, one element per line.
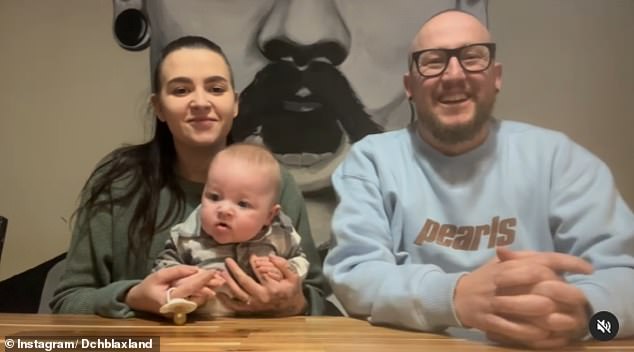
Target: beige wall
<point>567,65</point>
<point>69,95</point>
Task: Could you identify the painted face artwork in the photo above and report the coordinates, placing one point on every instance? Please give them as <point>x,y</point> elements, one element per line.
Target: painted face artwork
<point>314,75</point>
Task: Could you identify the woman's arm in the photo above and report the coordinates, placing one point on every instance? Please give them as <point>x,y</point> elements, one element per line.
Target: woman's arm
<point>87,286</point>
<point>315,285</point>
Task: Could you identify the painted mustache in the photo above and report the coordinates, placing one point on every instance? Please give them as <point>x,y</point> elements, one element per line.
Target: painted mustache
<point>301,111</point>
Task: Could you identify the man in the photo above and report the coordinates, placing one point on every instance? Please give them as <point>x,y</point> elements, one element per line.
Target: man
<point>464,220</point>
<point>314,75</point>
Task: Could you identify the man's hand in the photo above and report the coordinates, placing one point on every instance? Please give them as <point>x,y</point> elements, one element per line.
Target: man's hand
<point>512,278</point>
<point>529,295</point>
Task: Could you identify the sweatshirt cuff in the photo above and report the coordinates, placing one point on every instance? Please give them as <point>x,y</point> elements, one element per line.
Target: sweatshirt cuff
<point>596,297</point>
<point>453,299</point>
<point>438,298</point>
<point>110,300</point>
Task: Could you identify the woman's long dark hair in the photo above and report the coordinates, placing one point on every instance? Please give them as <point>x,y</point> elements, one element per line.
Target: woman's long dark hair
<point>147,168</point>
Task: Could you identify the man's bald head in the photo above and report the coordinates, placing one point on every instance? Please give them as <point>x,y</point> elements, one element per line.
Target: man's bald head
<point>454,82</point>
<point>450,29</point>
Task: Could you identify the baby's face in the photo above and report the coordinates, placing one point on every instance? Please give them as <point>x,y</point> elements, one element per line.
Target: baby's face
<point>238,200</point>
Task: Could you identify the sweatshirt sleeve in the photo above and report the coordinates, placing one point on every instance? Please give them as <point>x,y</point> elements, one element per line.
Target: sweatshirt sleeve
<point>365,274</point>
<point>297,257</point>
<point>170,255</point>
<point>86,287</point>
<point>315,286</point>
<point>589,219</point>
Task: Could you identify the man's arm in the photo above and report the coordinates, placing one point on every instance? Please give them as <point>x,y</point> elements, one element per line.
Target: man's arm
<point>366,275</point>
<point>590,219</point>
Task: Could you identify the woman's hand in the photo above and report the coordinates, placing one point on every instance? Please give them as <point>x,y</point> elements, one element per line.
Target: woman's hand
<point>206,293</point>
<point>270,297</point>
<point>150,294</point>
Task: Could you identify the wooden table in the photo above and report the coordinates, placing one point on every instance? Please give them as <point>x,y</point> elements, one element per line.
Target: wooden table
<point>281,334</point>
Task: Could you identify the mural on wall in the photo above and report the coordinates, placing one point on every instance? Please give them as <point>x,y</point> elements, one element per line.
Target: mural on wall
<point>314,76</point>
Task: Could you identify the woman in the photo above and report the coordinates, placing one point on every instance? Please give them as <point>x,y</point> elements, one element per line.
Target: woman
<point>138,192</point>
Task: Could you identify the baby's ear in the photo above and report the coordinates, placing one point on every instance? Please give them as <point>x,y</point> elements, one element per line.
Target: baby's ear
<point>275,211</point>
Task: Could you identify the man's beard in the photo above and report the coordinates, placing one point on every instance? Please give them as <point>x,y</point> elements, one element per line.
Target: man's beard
<point>457,134</point>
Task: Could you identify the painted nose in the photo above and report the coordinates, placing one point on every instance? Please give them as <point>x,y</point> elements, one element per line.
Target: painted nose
<point>302,31</point>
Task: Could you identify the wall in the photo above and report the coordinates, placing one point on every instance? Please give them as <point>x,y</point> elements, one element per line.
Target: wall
<point>567,65</point>
<point>69,95</point>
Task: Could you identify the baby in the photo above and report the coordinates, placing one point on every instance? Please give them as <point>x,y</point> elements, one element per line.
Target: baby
<point>238,217</point>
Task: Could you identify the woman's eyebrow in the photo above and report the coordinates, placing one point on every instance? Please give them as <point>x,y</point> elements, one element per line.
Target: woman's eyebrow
<point>179,80</point>
<point>214,79</point>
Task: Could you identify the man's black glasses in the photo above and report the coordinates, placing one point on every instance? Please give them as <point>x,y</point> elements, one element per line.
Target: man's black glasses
<point>472,58</point>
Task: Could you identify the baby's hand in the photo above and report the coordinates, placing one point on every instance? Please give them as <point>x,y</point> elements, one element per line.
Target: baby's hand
<point>263,267</point>
<point>216,281</point>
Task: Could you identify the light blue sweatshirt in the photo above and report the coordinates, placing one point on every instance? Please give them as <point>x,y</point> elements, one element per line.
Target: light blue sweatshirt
<point>411,221</point>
